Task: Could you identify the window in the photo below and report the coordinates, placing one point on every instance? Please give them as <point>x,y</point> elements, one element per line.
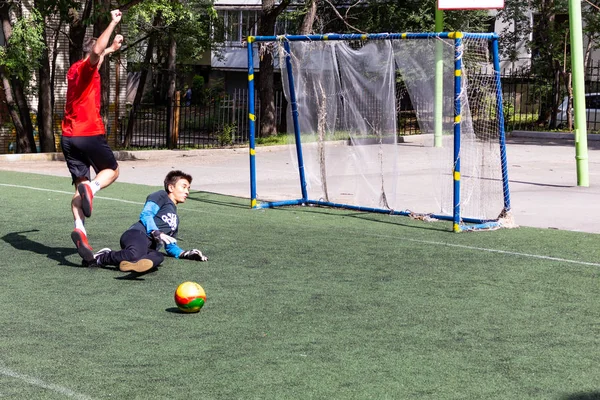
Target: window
<point>237,25</point>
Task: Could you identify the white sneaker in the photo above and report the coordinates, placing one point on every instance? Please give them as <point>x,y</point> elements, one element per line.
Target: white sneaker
<point>99,253</point>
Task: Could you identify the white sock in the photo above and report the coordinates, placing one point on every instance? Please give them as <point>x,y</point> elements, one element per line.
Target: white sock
<point>95,186</point>
<point>79,225</point>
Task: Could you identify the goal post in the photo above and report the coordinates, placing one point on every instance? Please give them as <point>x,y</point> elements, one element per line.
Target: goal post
<point>343,92</point>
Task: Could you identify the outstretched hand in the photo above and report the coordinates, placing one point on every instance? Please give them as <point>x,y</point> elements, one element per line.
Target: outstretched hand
<point>194,254</point>
<point>162,238</point>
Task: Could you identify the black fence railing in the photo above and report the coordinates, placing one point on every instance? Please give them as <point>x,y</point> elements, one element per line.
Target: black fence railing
<point>220,121</point>
<point>535,104</point>
<point>530,103</point>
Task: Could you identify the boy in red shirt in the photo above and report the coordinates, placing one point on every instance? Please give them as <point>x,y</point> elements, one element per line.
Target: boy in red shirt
<point>83,139</point>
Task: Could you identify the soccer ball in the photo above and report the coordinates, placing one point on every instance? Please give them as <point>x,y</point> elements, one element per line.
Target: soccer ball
<point>190,297</point>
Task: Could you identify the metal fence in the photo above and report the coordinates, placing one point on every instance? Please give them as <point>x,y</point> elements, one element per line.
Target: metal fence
<point>529,104</point>
<point>220,121</point>
<point>535,104</point>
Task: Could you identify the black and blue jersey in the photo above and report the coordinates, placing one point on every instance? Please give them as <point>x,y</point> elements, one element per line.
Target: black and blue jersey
<point>160,213</point>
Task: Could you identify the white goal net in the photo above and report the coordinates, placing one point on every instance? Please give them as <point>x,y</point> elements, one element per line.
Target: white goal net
<point>348,96</point>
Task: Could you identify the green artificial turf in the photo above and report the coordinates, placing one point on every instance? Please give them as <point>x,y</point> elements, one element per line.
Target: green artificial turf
<point>302,303</point>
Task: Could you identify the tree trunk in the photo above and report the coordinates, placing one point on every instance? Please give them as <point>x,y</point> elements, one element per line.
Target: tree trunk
<point>14,114</point>
<point>171,68</point>
<point>25,144</point>
<point>44,113</point>
<point>266,94</point>
<point>77,32</point>
<point>15,97</point>
<point>142,83</point>
<point>266,27</point>
<point>309,18</point>
<point>57,33</point>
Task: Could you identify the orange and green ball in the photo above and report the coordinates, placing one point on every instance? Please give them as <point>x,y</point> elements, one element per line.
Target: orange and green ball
<point>190,297</point>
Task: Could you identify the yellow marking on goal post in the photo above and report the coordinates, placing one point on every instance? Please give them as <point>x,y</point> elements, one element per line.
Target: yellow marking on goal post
<point>456,227</point>
<point>325,37</point>
<point>404,36</point>
<point>457,72</point>
<point>252,117</point>
<point>456,175</point>
<point>363,37</point>
<point>250,39</point>
<point>252,152</point>
<point>253,203</point>
<point>250,77</point>
<point>455,35</point>
<point>457,119</point>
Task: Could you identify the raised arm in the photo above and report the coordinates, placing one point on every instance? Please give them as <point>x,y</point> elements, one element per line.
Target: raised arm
<point>116,45</point>
<point>102,42</point>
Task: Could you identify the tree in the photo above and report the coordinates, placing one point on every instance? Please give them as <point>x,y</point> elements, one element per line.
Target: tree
<point>167,31</point>
<point>59,12</point>
<point>546,41</point>
<point>142,82</point>
<point>266,27</point>
<point>591,18</point>
<point>18,60</point>
<point>79,20</point>
<point>389,16</point>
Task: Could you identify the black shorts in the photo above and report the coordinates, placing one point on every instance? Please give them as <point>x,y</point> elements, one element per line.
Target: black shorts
<point>81,152</point>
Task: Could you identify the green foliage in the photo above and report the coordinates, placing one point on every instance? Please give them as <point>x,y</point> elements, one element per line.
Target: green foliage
<point>591,24</point>
<point>58,8</point>
<point>197,88</point>
<point>24,48</point>
<point>414,16</point>
<point>203,94</point>
<point>227,133</point>
<point>545,39</point>
<point>509,110</point>
<point>280,138</point>
<point>197,82</point>
<point>189,21</point>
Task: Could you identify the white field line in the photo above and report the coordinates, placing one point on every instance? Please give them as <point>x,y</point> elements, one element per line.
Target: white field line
<point>69,193</point>
<point>37,382</point>
<point>512,253</point>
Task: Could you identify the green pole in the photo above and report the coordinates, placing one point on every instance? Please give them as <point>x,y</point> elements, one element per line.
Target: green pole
<point>581,148</point>
<point>438,104</point>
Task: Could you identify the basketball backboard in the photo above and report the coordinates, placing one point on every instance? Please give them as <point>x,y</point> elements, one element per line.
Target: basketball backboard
<point>469,4</point>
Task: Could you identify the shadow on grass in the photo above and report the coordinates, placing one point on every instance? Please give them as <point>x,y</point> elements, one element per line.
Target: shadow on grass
<point>219,202</point>
<point>134,276</point>
<point>21,242</point>
<point>175,310</point>
<point>130,276</point>
<point>582,396</point>
<point>399,220</point>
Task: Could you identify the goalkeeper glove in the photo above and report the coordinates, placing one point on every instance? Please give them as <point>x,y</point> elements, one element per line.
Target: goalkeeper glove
<point>160,238</point>
<point>195,255</point>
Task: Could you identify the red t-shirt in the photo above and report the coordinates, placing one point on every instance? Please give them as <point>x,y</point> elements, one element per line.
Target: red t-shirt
<point>82,111</point>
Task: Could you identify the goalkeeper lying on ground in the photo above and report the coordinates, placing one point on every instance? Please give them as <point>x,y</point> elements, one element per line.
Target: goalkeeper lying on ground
<point>158,226</point>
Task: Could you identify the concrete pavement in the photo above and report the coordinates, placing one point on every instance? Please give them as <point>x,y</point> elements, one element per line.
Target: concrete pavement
<point>542,174</point>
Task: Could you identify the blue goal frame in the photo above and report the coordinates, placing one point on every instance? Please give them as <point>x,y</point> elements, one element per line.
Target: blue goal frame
<point>459,224</point>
